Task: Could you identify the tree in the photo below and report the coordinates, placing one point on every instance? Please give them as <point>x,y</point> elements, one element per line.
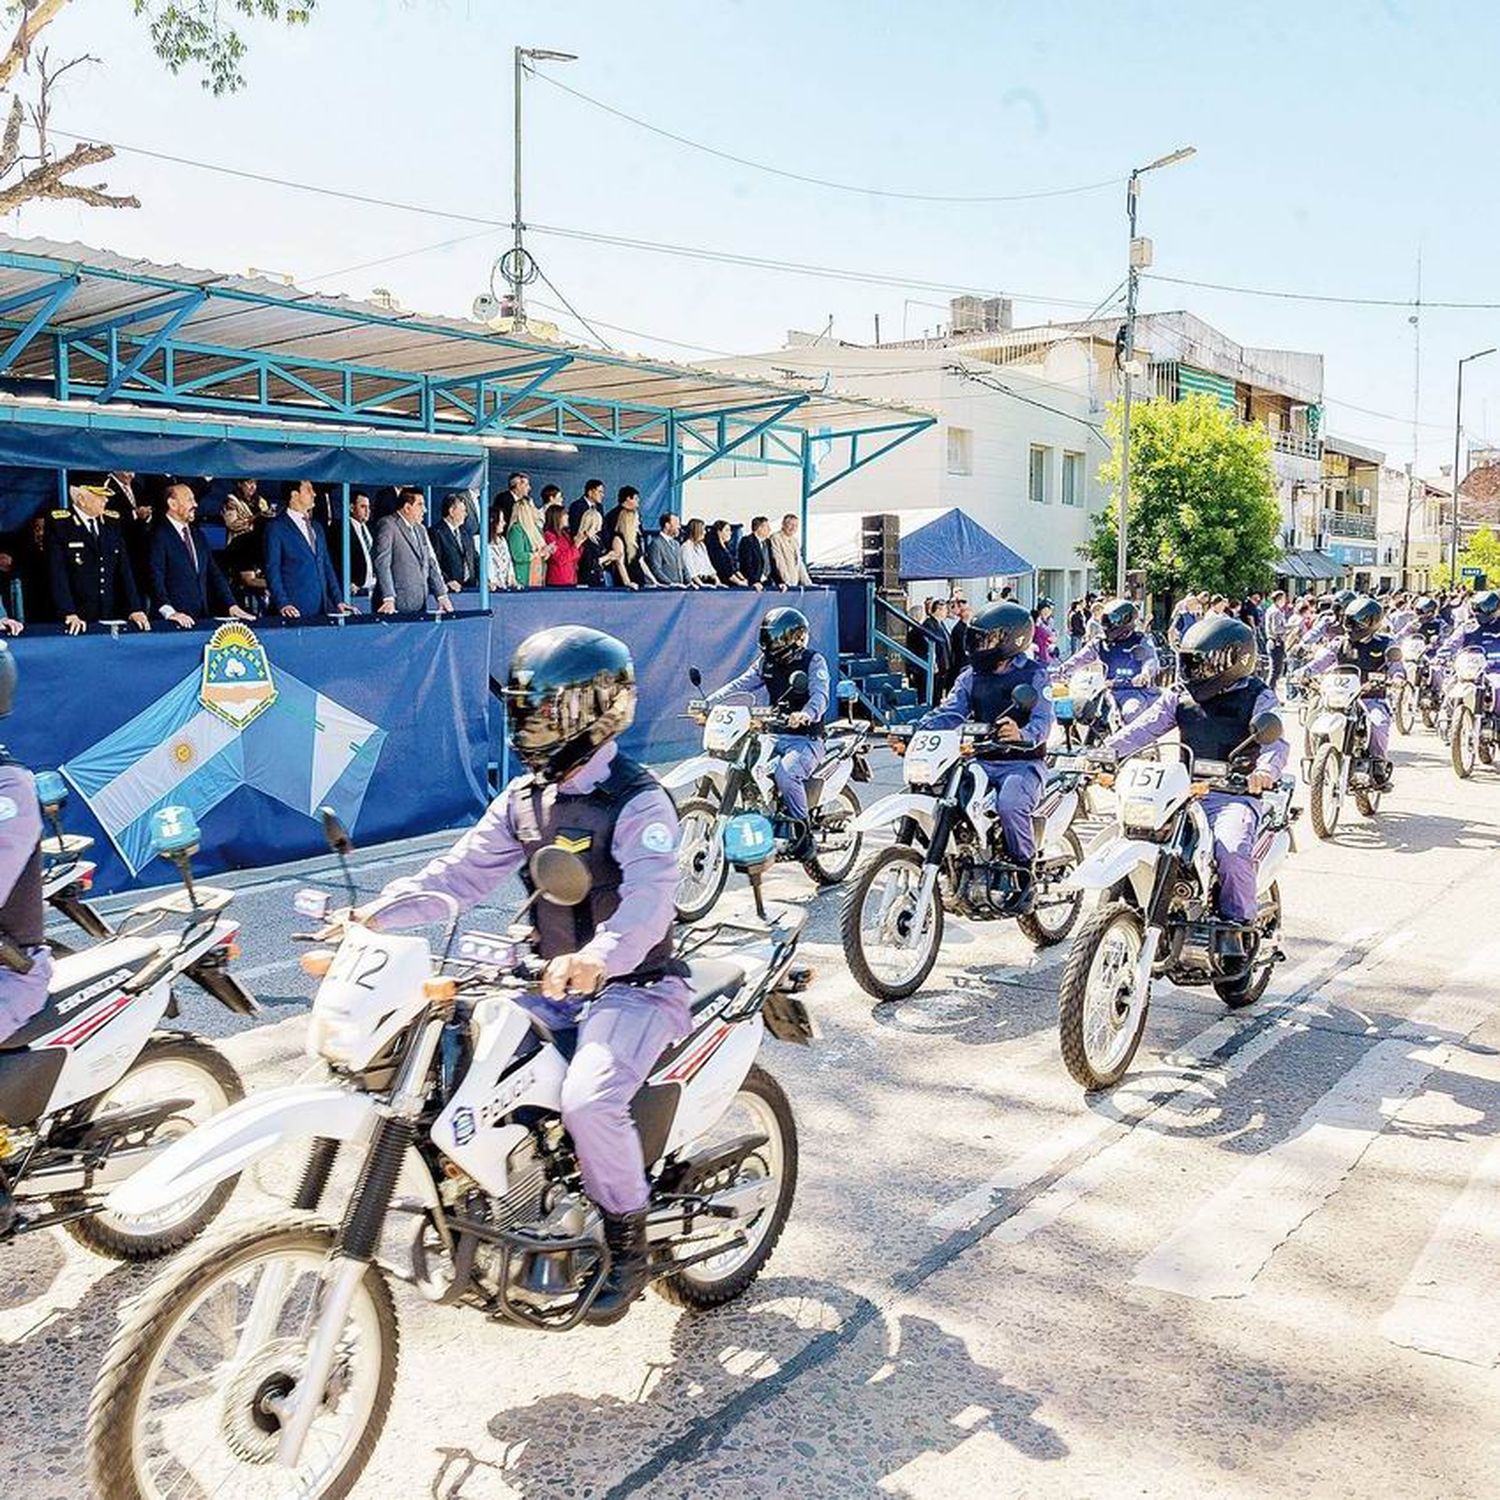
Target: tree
<point>200,35</point>
<point>1203,508</point>
<point>1481,551</point>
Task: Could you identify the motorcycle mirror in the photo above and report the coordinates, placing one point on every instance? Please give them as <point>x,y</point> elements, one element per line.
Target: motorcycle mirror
<point>695,677</point>
<point>1025,697</point>
<point>797,683</point>
<point>1265,729</point>
<point>1393,653</point>
<point>335,832</point>
<point>559,876</point>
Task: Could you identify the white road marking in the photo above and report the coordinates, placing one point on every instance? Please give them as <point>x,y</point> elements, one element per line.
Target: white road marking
<point>1088,1128</point>
<point>1226,1242</point>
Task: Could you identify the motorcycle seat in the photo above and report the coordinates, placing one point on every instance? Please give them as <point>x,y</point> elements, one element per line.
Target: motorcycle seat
<point>103,969</point>
<point>713,978</point>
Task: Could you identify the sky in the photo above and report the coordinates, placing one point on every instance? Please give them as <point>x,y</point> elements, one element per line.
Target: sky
<point>1336,144</point>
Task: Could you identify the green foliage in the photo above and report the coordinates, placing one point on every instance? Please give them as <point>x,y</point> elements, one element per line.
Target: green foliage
<point>1203,508</point>
<point>202,35</point>
<point>1482,551</point>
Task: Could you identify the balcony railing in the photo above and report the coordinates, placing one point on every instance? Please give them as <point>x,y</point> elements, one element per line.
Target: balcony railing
<point>1347,524</point>
<point>1294,443</point>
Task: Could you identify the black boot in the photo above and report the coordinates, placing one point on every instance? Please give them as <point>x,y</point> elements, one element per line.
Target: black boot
<point>800,844</point>
<point>629,1267</point>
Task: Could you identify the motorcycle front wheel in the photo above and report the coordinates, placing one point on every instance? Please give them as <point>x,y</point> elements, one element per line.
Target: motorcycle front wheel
<point>1101,1011</point>
<point>890,944</point>
<point>1405,711</point>
<point>1463,743</point>
<point>832,867</point>
<point>1325,795</point>
<point>701,866</point>
<point>188,1388</point>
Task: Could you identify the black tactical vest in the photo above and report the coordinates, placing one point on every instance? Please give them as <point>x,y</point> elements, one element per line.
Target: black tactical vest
<point>777,677</point>
<point>585,825</point>
<point>1118,657</point>
<point>1430,630</point>
<point>23,913</point>
<point>990,695</point>
<point>1369,656</point>
<point>1212,729</point>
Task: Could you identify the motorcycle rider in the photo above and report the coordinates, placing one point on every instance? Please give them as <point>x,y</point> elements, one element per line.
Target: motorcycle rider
<point>25,959</point>
<point>1366,646</point>
<point>784,651</point>
<point>1481,632</point>
<point>571,694</point>
<point>1125,652</point>
<point>1001,662</point>
<point>1330,620</point>
<point>1211,707</point>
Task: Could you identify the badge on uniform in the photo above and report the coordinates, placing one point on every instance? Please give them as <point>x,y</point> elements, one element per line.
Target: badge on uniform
<point>237,682</point>
<point>658,839</point>
<point>575,841</point>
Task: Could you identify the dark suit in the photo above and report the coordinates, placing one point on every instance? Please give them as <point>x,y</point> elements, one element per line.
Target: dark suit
<point>576,512</point>
<point>300,572</point>
<point>361,558</point>
<point>192,587</point>
<point>755,559</point>
<point>88,570</point>
<point>455,554</point>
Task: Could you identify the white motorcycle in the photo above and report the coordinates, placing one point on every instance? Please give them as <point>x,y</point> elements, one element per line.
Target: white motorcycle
<point>267,1362</point>
<point>1473,713</point>
<point>1156,915</point>
<point>1410,697</point>
<point>949,855</point>
<point>734,774</point>
<point>66,874</point>
<point>1338,759</point>
<point>91,1091</point>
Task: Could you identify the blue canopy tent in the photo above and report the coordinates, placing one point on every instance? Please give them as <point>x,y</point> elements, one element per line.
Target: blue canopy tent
<point>954,546</point>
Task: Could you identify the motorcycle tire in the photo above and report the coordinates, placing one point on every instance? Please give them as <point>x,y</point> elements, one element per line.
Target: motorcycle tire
<point>1461,743</point>
<point>106,1235</point>
<point>1325,769</point>
<point>859,965</point>
<point>714,888</point>
<point>698,1288</point>
<point>113,1417</point>
<point>1368,803</point>
<point>1043,932</point>
<point>1429,716</point>
<point>1238,993</point>
<point>835,870</point>
<point>1072,999</point>
<point>1404,712</point>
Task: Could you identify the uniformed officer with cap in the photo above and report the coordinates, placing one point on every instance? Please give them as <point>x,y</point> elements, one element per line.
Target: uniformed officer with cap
<point>88,565</point>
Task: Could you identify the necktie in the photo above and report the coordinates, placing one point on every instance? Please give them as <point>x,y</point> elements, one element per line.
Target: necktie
<point>187,536</point>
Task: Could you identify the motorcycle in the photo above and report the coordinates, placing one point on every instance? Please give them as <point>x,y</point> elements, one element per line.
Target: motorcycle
<point>91,1091</point>
<point>1473,713</point>
<point>1337,759</point>
<point>66,874</point>
<point>949,856</point>
<point>1095,703</point>
<point>734,774</point>
<point>446,1087</point>
<point>1157,915</point>
<point>1417,697</point>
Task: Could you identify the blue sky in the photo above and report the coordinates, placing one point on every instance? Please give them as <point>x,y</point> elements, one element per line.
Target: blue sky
<point>1334,141</point>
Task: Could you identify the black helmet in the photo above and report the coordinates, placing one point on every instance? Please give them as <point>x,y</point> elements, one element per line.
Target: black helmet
<point>571,689</point>
<point>1363,617</point>
<point>1216,653</point>
<point>1005,630</point>
<point>1427,607</point>
<point>8,675</point>
<point>1486,607</point>
<point>783,633</point>
<point>1344,598</point>
<point>1121,619</point>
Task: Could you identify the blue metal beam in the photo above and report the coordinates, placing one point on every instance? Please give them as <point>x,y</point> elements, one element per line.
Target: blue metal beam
<point>136,315</point>
<point>125,373</point>
<point>724,449</point>
<point>52,296</point>
<point>509,400</point>
<point>901,433</point>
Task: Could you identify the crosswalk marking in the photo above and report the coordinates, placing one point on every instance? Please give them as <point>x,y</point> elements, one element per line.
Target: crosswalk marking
<point>1220,1249</point>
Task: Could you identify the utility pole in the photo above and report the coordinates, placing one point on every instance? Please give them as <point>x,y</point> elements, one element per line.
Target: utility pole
<point>1413,469</point>
<point>1458,427</point>
<point>517,267</point>
<point>1140,259</point>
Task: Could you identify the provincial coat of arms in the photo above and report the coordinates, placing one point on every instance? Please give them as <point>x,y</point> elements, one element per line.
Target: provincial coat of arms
<point>237,684</point>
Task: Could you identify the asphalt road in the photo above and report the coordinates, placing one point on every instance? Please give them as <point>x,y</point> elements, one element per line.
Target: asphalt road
<point>1267,1264</point>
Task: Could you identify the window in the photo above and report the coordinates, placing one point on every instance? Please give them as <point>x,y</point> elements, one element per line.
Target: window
<point>1037,478</point>
<point>1072,479</point>
<point>960,450</point>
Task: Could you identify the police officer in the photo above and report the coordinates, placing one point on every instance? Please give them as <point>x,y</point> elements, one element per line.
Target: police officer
<point>88,564</point>
<point>609,970</point>
<point>1001,662</point>
<point>1330,619</point>
<point>1127,654</point>
<point>1367,647</point>
<point>1211,706</point>
<point>784,652</point>
<point>1481,632</point>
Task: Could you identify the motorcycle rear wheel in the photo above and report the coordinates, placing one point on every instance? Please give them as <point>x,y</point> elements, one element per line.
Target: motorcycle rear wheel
<point>1238,993</point>
<point>834,869</point>
<point>1049,924</point>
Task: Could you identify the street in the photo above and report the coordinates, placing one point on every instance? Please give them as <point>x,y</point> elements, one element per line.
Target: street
<point>1267,1263</point>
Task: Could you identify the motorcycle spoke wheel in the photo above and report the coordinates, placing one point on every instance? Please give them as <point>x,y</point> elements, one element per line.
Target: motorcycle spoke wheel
<point>832,867</point>
<point>1464,743</point>
<point>890,943</point>
<point>1325,797</point>
<point>701,867</point>
<point>1101,1009</point>
<point>1056,911</point>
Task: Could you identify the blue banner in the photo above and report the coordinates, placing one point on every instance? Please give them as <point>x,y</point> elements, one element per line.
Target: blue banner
<point>385,721</point>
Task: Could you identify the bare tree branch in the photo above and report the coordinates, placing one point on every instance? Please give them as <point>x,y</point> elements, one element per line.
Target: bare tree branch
<point>48,181</point>
<point>35,18</point>
<point>10,146</point>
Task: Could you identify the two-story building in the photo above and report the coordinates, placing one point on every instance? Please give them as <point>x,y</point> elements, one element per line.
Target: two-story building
<point>1409,530</point>
<point>1347,523</point>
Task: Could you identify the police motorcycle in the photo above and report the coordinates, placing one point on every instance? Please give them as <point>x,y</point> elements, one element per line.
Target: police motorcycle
<point>949,856</point>
<point>1418,696</point>
<point>1157,914</point>
<point>66,874</point>
<point>1473,713</point>
<point>1337,761</point>
<point>734,774</point>
<point>448,1094</point>
<point>92,1091</point>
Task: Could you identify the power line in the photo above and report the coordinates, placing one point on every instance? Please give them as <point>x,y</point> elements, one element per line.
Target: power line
<point>823,182</point>
<point>1260,291</point>
<point>386,260</point>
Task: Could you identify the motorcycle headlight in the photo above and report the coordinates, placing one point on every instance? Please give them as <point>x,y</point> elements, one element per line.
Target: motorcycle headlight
<point>1469,666</point>
<point>1138,812</point>
<point>1412,649</point>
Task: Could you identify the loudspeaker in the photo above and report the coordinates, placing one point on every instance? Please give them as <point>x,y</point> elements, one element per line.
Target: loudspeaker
<point>880,550</point>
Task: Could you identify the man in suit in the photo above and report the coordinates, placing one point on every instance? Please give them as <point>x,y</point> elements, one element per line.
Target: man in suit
<point>787,566</point>
<point>592,498</point>
<point>361,546</point>
<point>453,545</point>
<point>517,487</point>
<point>186,583</point>
<point>299,571</point>
<point>664,556</point>
<point>755,554</point>
<point>137,517</point>
<point>88,568</point>
<point>406,572</point>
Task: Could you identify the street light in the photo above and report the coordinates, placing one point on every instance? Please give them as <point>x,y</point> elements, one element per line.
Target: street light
<point>1458,427</point>
<point>1140,258</point>
<point>519,271</point>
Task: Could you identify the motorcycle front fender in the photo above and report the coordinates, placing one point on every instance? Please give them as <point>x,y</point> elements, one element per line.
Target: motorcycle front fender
<point>1120,859</point>
<point>229,1142</point>
<point>1329,726</point>
<point>692,771</point>
<point>894,808</point>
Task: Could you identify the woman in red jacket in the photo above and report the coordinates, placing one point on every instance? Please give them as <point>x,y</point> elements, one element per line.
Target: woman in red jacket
<point>562,565</point>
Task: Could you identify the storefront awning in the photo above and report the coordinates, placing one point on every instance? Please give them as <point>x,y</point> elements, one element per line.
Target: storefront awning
<point>1314,566</point>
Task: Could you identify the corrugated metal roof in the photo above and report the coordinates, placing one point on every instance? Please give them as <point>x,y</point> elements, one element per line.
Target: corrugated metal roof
<point>255,314</point>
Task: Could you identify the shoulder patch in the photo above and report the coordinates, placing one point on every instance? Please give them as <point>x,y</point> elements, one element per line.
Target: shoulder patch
<point>8,809</point>
<point>658,838</point>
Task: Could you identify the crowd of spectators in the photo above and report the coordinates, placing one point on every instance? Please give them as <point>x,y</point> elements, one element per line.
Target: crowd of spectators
<point>133,549</point>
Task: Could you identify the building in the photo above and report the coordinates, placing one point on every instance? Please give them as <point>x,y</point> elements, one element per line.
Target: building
<point>1346,524</point>
<point>1409,530</point>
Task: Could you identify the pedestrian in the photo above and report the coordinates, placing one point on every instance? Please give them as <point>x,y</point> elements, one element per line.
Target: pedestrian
<point>1077,625</point>
<point>1043,641</point>
<point>1276,623</point>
